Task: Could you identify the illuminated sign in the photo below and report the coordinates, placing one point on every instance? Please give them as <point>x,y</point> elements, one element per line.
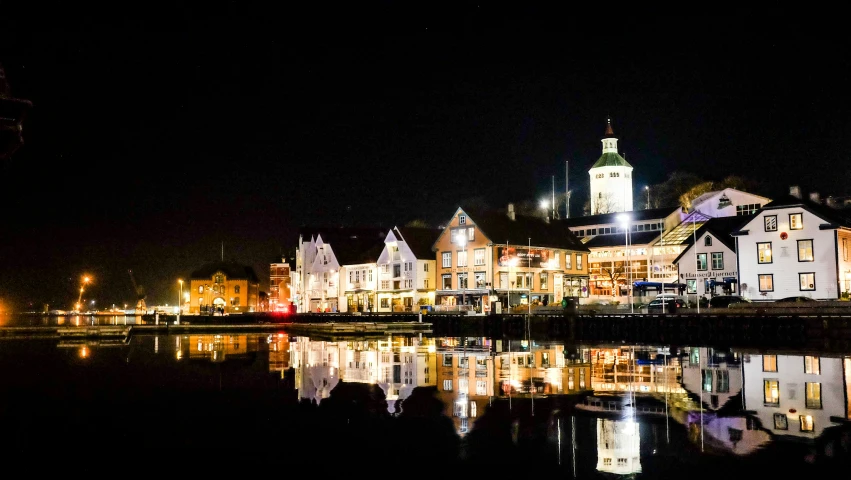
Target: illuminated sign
<point>526,257</point>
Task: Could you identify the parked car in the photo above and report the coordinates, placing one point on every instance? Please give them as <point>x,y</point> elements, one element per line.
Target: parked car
<point>797,299</point>
<point>670,305</point>
<point>724,301</point>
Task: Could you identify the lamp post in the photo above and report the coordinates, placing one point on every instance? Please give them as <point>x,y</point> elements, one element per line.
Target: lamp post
<point>647,189</point>
<point>179,301</point>
<point>626,233</point>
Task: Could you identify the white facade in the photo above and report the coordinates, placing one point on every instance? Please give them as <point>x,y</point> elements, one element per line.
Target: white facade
<point>791,250</point>
<point>611,179</point>
<point>705,266</point>
<point>728,203</point>
<point>316,278</point>
<point>618,446</point>
<point>359,282</point>
<point>795,395</point>
<point>403,279</point>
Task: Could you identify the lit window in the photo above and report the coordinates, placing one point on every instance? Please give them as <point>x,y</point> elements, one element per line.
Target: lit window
<point>479,256</point>
<point>808,281</point>
<point>579,261</point>
<point>771,393</point>
<point>806,423</point>
<point>796,221</point>
<point>447,385</point>
<point>764,250</point>
<point>812,365</point>
<point>805,250</point>
<point>691,285</point>
<point>462,258</point>
<point>766,283</point>
<point>813,393</point>
<point>462,219</point>
<point>769,363</point>
<point>447,259</point>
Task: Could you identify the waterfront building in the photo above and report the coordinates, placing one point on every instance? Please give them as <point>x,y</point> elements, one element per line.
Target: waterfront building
<point>487,256</point>
<point>797,396</point>
<point>465,378</point>
<point>226,287</point>
<point>324,256</point>
<point>728,202</point>
<point>406,270</point>
<point>708,265</point>
<point>794,247</point>
<point>279,285</point>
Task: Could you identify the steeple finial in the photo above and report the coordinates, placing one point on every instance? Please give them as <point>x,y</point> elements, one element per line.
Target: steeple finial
<point>609,130</point>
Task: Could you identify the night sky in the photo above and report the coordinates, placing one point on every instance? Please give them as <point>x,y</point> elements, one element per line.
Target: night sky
<point>156,141</point>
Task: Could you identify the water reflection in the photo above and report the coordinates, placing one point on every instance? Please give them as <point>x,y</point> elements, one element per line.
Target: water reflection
<point>583,410</point>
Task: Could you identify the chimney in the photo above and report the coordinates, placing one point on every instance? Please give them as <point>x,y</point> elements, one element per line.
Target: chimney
<point>814,197</point>
<point>795,191</point>
<point>511,211</point>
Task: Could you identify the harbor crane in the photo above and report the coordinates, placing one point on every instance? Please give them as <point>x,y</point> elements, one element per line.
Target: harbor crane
<point>140,293</point>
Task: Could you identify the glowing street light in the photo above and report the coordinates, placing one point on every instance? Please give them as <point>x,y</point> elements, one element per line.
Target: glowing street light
<point>86,281</point>
<point>179,301</point>
<point>624,219</point>
<point>647,189</point>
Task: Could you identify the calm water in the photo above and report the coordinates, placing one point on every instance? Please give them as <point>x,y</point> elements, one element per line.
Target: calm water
<point>272,403</point>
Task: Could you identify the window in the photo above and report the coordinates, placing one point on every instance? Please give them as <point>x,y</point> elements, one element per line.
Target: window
<point>845,249</point>
<point>385,284</point>
<point>707,241</point>
<point>447,360</point>
<point>766,283</point>
<point>447,282</point>
<point>722,381</point>
<point>746,209</point>
<point>691,285</point>
<point>805,250</point>
<point>566,260</point>
<point>544,280</point>
<point>806,423</point>
<point>479,256</point>
<point>200,289</point>
<point>447,259</point>
<point>813,393</point>
<point>397,270</point>
<point>808,281</point>
<point>718,261</point>
<point>447,385</point>
<point>462,219</point>
<point>812,365</point>
<point>480,279</point>
<point>771,394</point>
<point>462,258</point>
<point>764,250</point>
<point>236,289</point>
<point>579,261</point>
<point>706,376</point>
<point>701,261</point>
<point>796,221</point>
<point>462,280</point>
<point>385,268</point>
<point>471,234</point>
<point>769,363</point>
<point>781,421</point>
<point>481,387</point>
<point>770,223</point>
<point>385,303</point>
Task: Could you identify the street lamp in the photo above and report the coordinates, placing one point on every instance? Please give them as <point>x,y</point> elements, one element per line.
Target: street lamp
<point>624,219</point>
<point>647,189</point>
<point>179,301</point>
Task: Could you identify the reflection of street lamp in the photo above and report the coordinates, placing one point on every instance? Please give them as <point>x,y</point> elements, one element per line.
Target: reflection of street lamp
<point>86,281</point>
<point>624,219</point>
<point>179,300</point>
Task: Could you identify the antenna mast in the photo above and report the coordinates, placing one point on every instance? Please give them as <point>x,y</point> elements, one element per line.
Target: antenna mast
<point>566,193</point>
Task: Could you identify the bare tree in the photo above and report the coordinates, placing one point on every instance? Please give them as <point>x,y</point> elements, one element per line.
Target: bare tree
<point>605,203</point>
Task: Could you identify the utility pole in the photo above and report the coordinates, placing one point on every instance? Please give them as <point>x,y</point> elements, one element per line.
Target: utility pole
<point>566,193</point>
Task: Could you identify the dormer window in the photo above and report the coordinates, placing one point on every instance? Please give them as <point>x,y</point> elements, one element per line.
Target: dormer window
<point>724,202</point>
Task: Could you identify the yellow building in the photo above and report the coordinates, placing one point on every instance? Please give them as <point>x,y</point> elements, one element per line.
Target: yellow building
<point>223,287</point>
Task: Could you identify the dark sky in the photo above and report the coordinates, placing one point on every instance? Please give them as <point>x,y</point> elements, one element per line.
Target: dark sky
<point>158,136</point>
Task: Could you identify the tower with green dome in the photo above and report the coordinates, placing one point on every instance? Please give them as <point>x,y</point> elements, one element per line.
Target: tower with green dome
<point>611,178</point>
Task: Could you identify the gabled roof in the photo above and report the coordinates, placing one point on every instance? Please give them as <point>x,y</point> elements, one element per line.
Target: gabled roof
<point>612,218</point>
<point>836,218</point>
<point>721,228</point>
<point>351,245</point>
<point>232,270</point>
<point>498,228</point>
<point>420,240</point>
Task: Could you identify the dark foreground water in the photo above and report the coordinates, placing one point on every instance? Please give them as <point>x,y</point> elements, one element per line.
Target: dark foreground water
<point>412,406</point>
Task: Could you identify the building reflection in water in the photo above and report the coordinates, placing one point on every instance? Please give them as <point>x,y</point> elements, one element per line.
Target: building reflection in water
<point>618,443</point>
<point>396,364</point>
